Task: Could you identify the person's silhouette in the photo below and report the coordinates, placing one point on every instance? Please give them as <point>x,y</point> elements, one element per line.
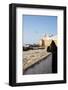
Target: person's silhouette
<point>53,48</point>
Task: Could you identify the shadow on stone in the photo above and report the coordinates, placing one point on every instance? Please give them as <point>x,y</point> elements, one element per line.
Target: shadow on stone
<point>53,49</point>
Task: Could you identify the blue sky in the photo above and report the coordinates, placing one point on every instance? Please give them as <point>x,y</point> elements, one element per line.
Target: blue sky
<point>35,27</point>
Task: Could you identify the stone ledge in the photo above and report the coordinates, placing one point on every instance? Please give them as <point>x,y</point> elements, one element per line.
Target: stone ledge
<point>36,59</point>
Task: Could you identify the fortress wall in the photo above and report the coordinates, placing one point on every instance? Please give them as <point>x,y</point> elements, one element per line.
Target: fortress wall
<point>46,42</point>
<point>42,67</point>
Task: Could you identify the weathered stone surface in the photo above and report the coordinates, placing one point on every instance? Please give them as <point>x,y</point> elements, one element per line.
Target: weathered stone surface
<point>42,67</point>
<point>33,56</point>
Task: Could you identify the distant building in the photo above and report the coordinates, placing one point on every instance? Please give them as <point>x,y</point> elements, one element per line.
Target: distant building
<point>46,40</point>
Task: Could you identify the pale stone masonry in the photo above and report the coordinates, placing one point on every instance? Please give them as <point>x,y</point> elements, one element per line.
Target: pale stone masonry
<point>46,41</point>
<point>33,56</point>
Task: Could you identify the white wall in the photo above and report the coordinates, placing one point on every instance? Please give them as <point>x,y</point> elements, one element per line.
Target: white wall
<point>4,44</point>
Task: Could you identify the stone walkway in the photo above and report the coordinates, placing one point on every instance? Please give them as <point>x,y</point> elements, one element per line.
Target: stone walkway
<point>32,57</point>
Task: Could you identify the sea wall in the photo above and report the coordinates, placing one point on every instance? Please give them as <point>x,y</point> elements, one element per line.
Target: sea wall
<point>42,67</point>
